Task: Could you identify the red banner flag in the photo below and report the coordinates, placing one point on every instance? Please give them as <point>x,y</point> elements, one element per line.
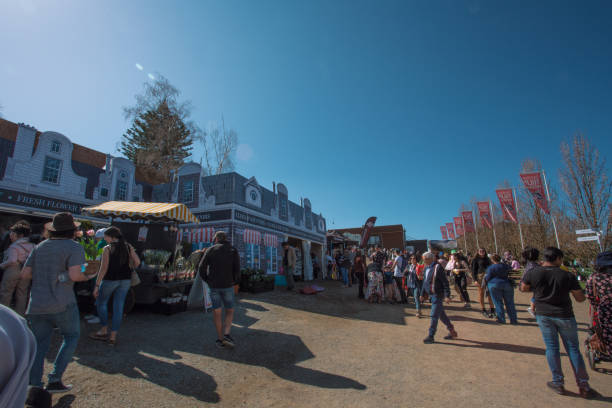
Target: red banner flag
<point>444,232</point>
<point>468,221</point>
<point>533,183</point>
<point>451,230</point>
<point>485,214</point>
<point>458,226</point>
<point>506,201</point>
<point>365,232</point>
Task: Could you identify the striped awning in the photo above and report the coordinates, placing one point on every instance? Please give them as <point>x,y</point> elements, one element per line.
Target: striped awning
<point>142,211</point>
<point>251,237</point>
<point>270,240</point>
<point>196,235</point>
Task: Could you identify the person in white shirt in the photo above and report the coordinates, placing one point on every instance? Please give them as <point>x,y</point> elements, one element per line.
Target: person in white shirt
<point>398,274</point>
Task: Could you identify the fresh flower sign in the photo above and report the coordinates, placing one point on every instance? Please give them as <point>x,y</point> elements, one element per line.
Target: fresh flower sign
<point>458,226</point>
<point>468,221</point>
<point>533,183</point>
<point>506,201</point>
<point>451,230</point>
<point>485,213</point>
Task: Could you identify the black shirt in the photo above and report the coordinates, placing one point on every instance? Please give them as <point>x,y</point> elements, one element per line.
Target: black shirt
<point>220,266</point>
<point>551,288</point>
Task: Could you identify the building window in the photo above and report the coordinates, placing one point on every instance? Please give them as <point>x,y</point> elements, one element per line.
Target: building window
<point>56,146</point>
<point>52,170</point>
<point>121,192</point>
<point>104,192</point>
<point>252,256</point>
<point>187,196</point>
<point>272,260</point>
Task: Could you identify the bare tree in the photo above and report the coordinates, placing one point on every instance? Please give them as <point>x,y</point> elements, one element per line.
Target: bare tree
<point>219,148</point>
<point>585,181</point>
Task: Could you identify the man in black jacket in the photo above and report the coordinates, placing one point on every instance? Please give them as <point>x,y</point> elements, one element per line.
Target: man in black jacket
<point>220,268</point>
<point>435,284</point>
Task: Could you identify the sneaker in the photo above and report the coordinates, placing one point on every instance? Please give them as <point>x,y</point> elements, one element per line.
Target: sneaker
<point>57,387</point>
<point>484,313</point>
<point>228,341</point>
<point>93,320</point>
<point>588,393</point>
<point>467,306</point>
<point>88,316</point>
<point>492,313</point>
<point>219,344</point>
<point>428,340</point>
<point>559,389</point>
<point>530,311</point>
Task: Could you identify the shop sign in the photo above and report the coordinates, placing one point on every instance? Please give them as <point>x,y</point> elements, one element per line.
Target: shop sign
<point>262,222</point>
<point>214,215</point>
<point>38,202</point>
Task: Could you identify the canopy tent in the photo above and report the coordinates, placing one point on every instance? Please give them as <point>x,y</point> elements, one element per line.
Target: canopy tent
<point>142,211</point>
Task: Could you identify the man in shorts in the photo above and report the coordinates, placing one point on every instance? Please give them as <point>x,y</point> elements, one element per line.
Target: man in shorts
<point>220,268</point>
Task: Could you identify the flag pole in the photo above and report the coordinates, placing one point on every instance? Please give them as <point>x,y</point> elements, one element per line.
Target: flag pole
<point>518,222</point>
<point>464,234</point>
<point>475,229</point>
<point>493,226</point>
<point>550,209</point>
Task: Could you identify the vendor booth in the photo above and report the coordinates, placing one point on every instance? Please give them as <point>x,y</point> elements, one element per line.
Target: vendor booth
<point>152,228</point>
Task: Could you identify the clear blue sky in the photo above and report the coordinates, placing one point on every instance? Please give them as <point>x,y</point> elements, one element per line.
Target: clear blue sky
<point>402,110</point>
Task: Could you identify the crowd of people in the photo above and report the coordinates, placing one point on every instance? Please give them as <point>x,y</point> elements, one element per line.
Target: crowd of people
<point>394,276</point>
<point>39,275</point>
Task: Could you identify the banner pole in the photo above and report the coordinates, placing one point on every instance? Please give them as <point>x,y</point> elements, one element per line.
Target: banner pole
<point>518,221</point>
<point>493,226</point>
<point>475,228</point>
<point>464,240</point>
<point>550,209</point>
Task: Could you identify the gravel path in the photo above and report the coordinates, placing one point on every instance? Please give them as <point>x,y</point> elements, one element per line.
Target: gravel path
<point>327,350</point>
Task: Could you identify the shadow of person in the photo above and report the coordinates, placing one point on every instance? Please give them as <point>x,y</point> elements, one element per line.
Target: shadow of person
<point>513,348</point>
<point>65,401</point>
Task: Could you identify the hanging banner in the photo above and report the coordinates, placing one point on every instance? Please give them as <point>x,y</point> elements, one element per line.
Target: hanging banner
<point>365,232</point>
<point>533,183</point>
<point>468,221</point>
<point>484,212</point>
<point>458,226</point>
<point>506,201</point>
<point>451,230</point>
<point>444,232</point>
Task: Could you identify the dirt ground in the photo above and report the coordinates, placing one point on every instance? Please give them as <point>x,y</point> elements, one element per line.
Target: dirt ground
<point>326,350</point>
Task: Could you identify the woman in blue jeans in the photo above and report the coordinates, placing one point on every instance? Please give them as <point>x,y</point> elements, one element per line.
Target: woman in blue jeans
<point>115,277</point>
<point>501,290</point>
<point>413,283</point>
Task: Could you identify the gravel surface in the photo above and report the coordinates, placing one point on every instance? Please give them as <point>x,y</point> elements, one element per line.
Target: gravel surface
<point>326,350</point>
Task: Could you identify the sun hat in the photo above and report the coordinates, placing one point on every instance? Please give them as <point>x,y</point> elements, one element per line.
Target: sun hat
<point>62,222</point>
<point>100,233</point>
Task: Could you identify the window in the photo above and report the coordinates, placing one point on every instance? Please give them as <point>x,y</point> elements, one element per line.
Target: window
<point>187,196</point>
<point>104,192</point>
<point>56,146</point>
<point>271,260</point>
<point>252,256</point>
<point>121,192</point>
<point>52,170</point>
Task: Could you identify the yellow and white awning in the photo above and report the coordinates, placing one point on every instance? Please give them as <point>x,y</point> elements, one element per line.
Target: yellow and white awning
<point>137,210</point>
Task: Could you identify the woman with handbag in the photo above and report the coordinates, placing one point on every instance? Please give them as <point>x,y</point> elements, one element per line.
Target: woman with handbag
<point>599,292</point>
<point>115,277</point>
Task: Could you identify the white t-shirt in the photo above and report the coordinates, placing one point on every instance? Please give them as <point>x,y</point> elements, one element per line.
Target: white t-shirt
<point>399,267</point>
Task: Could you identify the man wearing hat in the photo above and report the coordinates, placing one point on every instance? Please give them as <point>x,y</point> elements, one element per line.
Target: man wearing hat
<point>220,269</point>
<point>54,265</point>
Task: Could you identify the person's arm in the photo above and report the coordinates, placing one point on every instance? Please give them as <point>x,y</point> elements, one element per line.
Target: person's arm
<point>591,296</point>
<point>26,273</point>
<point>445,285</point>
<point>525,285</point>
<point>488,274</point>
<point>576,290</point>
<point>134,256</point>
<point>11,258</point>
<point>102,271</point>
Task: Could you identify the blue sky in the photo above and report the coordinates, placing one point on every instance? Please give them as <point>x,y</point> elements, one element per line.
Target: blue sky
<point>398,109</point>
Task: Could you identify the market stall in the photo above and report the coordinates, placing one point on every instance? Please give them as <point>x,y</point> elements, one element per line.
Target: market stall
<point>166,276</point>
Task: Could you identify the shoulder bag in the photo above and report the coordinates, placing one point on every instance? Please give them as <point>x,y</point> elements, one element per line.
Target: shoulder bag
<point>135,279</point>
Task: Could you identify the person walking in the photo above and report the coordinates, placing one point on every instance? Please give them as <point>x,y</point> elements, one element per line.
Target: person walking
<point>460,270</point>
<point>414,283</point>
<point>398,275</point>
<point>435,284</point>
<point>479,266</point>
<point>289,261</point>
<point>359,268</point>
<point>114,277</point>
<point>498,280</point>
<point>555,316</point>
<point>530,257</point>
<point>16,255</point>
<point>345,265</point>
<point>220,269</point>
<point>53,266</point>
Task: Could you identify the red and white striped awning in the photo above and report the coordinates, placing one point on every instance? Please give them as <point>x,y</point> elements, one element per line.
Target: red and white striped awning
<point>270,240</point>
<point>196,235</point>
<point>251,237</point>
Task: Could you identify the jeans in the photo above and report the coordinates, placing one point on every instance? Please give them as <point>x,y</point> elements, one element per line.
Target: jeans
<point>461,283</point>
<point>42,326</point>
<point>503,292</point>
<point>345,278</point>
<point>120,288</point>
<point>222,297</point>
<point>416,292</point>
<point>552,328</point>
<point>289,277</point>
<point>438,313</point>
